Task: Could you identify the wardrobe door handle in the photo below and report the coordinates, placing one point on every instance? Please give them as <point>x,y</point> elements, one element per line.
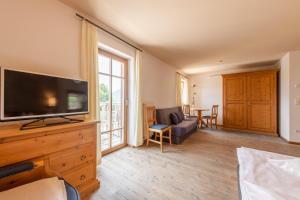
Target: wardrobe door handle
<point>83,157</point>
<point>82,177</point>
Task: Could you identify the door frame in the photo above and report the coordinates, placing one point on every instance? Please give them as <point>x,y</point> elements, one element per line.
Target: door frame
<point>125,78</point>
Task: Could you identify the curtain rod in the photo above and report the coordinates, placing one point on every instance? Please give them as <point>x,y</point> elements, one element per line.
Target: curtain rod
<point>182,74</point>
<point>110,33</point>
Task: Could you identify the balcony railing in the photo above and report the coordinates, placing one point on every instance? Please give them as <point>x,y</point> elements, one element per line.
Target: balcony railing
<point>116,124</point>
<point>116,116</point>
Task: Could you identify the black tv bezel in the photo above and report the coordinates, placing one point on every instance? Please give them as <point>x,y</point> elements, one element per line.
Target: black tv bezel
<point>22,118</point>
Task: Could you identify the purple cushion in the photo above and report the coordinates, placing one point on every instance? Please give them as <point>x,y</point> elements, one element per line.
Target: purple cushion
<point>179,117</point>
<point>174,118</point>
<point>159,126</point>
<point>181,113</point>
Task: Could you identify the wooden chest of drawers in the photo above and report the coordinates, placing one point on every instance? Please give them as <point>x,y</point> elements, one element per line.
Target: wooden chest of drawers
<point>67,151</point>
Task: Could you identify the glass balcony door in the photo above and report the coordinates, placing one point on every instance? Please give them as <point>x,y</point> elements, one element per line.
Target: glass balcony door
<point>113,97</point>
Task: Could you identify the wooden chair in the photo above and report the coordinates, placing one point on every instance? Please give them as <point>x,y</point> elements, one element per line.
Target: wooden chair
<point>157,129</point>
<point>213,116</point>
<point>186,109</point>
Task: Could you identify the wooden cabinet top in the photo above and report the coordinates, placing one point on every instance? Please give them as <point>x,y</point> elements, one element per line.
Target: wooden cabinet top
<point>8,132</point>
<point>251,72</point>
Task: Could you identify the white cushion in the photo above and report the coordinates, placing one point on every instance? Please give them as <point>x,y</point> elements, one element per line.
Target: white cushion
<point>44,189</point>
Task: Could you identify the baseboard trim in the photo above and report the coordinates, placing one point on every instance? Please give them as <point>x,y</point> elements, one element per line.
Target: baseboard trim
<point>290,142</point>
<point>272,134</point>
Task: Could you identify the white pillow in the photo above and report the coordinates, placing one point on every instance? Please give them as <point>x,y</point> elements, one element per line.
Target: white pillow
<point>44,189</point>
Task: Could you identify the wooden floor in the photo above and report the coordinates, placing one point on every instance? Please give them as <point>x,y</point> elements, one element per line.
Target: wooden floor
<point>203,167</point>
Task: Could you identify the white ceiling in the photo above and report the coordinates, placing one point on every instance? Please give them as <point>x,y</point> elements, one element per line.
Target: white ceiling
<point>194,35</point>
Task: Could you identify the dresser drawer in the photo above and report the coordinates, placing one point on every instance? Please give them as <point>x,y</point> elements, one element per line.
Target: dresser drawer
<point>17,151</point>
<point>65,160</point>
<point>82,175</point>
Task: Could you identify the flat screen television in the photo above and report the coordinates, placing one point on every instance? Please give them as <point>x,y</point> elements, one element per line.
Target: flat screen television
<point>32,96</point>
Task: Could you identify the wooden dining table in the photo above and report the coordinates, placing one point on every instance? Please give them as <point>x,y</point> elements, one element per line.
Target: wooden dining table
<point>200,120</point>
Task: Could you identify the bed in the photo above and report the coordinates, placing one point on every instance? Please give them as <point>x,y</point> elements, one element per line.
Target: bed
<point>267,176</point>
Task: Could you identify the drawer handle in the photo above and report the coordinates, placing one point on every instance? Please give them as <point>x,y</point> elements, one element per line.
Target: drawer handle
<point>83,157</point>
<point>82,177</point>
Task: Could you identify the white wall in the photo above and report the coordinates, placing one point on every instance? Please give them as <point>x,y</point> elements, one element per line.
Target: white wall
<point>294,95</point>
<point>284,121</point>
<point>158,82</point>
<point>208,91</point>
<point>40,36</point>
<point>290,96</point>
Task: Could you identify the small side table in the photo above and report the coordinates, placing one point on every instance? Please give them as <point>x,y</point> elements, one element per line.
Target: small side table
<point>200,120</point>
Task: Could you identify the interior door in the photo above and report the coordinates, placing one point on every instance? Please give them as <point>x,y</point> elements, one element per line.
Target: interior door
<point>261,101</point>
<point>234,97</point>
<point>113,97</point>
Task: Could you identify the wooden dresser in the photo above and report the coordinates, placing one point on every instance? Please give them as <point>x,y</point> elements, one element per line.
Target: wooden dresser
<point>250,102</point>
<point>67,151</point>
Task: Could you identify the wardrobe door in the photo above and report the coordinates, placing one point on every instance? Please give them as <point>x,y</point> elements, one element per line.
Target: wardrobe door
<point>261,101</point>
<point>234,96</point>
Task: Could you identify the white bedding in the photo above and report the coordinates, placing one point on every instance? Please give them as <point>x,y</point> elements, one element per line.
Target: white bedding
<point>268,176</point>
<point>45,189</point>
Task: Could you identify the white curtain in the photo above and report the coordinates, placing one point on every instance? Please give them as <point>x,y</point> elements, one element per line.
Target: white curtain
<point>182,90</point>
<point>188,90</point>
<point>89,71</point>
<point>137,102</point>
<point>185,90</point>
<point>178,90</point>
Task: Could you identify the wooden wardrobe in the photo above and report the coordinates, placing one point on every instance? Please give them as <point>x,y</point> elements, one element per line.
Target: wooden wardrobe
<point>250,102</point>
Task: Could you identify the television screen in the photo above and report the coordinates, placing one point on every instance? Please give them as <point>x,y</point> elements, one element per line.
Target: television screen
<point>28,95</point>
